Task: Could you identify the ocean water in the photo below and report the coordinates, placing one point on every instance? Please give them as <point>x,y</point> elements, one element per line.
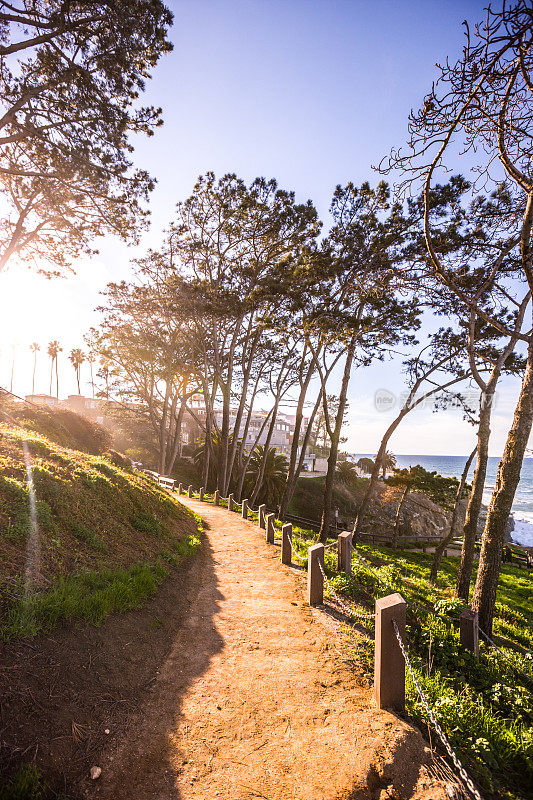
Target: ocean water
<point>454,465</point>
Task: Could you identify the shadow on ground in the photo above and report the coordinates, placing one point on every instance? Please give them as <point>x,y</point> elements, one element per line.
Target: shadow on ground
<point>59,693</point>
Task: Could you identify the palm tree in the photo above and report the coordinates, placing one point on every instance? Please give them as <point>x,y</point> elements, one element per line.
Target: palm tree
<point>388,462</point>
<point>91,358</point>
<point>345,472</point>
<point>274,474</point>
<point>53,351</point>
<point>34,347</point>
<point>76,358</point>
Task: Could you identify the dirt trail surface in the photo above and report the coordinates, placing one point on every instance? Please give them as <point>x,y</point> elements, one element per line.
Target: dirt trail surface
<point>255,700</point>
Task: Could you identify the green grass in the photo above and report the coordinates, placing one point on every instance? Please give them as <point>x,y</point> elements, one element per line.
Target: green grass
<point>484,705</point>
<point>88,536</point>
<point>106,534</point>
<point>91,596</point>
<point>27,783</point>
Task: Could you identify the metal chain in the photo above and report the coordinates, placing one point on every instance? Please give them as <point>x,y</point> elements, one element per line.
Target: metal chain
<point>303,559</point>
<point>345,608</point>
<point>442,736</point>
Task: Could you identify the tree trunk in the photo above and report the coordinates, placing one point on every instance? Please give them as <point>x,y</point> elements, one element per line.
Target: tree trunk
<point>374,477</point>
<point>223,479</point>
<point>163,436</point>
<point>445,541</point>
<point>305,445</point>
<point>464,576</point>
<point>266,446</point>
<point>242,477</point>
<point>205,481</point>
<point>291,480</point>
<point>334,447</point>
<point>502,500</point>
<point>177,437</point>
<point>399,510</point>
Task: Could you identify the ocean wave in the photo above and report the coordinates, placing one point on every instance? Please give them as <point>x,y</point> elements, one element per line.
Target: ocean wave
<point>523,531</point>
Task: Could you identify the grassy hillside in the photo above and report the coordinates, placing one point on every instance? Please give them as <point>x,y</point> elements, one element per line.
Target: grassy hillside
<point>105,536</point>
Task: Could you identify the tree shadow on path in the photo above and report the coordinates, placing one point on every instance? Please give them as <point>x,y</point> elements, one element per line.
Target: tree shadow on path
<point>143,764</point>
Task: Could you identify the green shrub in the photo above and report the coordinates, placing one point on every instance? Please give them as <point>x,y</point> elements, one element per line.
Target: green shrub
<point>450,606</point>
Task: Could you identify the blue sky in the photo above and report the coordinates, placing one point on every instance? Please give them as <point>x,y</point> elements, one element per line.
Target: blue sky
<point>311,92</point>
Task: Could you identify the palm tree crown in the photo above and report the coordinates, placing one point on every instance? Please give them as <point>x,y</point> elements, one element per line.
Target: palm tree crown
<point>274,476</point>
<point>76,358</point>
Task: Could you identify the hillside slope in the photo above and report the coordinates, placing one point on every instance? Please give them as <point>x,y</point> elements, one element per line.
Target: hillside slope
<point>102,536</point>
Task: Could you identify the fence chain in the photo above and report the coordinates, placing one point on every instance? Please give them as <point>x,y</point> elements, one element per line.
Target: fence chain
<point>303,559</point>
<point>442,736</point>
<point>347,609</point>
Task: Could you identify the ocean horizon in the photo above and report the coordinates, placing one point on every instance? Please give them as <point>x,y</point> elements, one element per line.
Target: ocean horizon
<point>452,466</point>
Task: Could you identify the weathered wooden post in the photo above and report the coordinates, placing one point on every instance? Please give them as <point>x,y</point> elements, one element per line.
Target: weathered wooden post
<point>245,509</point>
<point>217,497</point>
<point>230,502</point>
<point>389,663</point>
<point>201,493</point>
<point>315,579</point>
<point>270,529</point>
<point>344,552</point>
<point>261,520</point>
<point>286,536</point>
<point>180,488</point>
<point>189,491</point>
<point>469,630</point>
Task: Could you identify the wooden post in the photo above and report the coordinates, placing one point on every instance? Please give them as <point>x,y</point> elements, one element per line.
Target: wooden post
<point>389,663</point>
<point>261,520</point>
<point>245,509</point>
<point>286,536</point>
<point>189,491</point>
<point>270,529</point>
<point>180,488</point>
<point>315,579</point>
<point>201,493</point>
<point>344,552</point>
<point>217,497</point>
<point>230,502</point>
<point>469,630</point>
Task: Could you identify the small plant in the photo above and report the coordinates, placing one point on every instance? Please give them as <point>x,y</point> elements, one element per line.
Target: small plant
<point>88,536</point>
<point>147,523</point>
<point>450,606</point>
<point>26,784</point>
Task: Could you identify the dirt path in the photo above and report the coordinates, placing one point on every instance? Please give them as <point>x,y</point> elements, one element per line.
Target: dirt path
<point>255,700</point>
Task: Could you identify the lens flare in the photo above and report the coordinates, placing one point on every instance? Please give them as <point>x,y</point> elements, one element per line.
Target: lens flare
<point>32,571</point>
